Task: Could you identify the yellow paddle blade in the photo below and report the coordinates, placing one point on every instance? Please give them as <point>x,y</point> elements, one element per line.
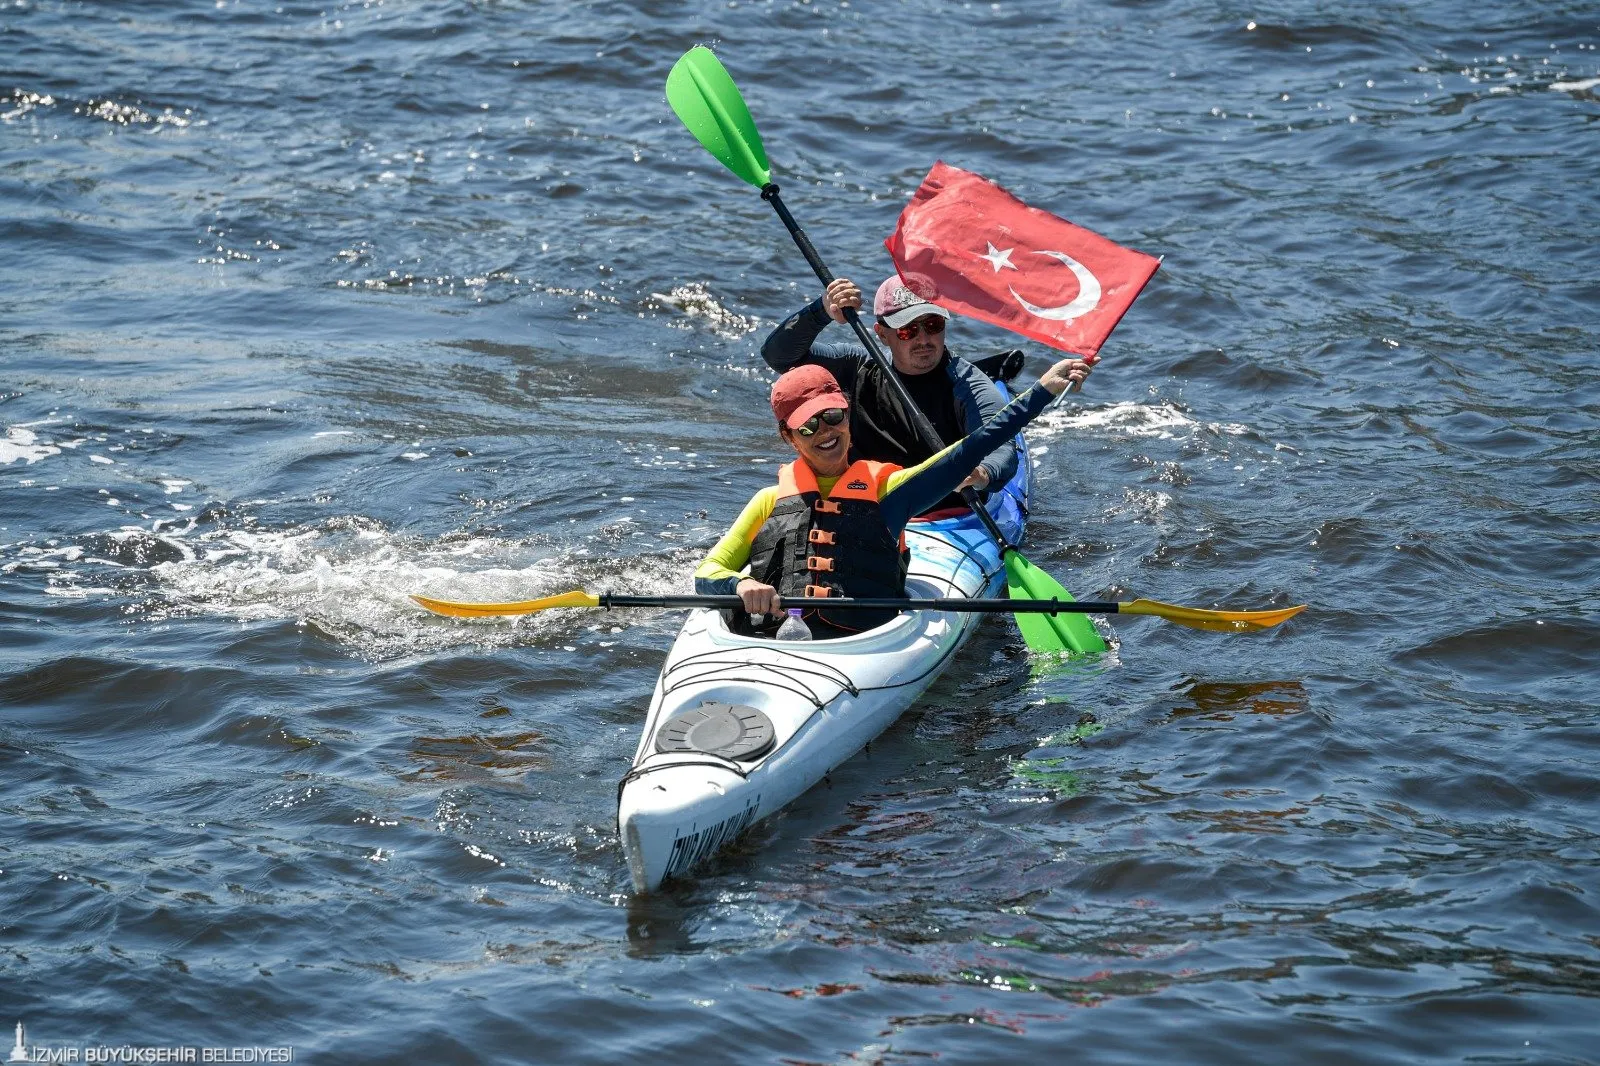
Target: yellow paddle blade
<point>1219,621</point>
<point>450,609</point>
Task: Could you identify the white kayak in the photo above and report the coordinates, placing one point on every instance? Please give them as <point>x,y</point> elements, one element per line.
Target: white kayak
<point>739,727</point>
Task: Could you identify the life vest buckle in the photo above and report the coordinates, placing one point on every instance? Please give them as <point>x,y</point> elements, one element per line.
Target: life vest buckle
<point>828,506</point>
<point>819,562</point>
<point>820,536</point>
<point>816,591</point>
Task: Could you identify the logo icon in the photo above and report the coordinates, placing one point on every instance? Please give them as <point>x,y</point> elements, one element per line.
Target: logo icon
<point>19,1051</point>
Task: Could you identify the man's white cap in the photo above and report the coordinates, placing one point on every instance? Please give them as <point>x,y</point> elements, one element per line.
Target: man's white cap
<point>901,300</point>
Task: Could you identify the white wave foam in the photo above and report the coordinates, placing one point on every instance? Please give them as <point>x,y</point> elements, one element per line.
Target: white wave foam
<point>1144,505</point>
<point>1164,421</point>
<point>23,443</point>
<point>353,579</point>
<point>25,102</point>
<point>1574,86</point>
<point>696,301</point>
<point>349,577</point>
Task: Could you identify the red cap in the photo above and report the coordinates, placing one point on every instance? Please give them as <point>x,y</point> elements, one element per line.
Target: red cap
<point>802,392</point>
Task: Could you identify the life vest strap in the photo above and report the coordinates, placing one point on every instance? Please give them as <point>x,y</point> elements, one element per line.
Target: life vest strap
<point>820,536</point>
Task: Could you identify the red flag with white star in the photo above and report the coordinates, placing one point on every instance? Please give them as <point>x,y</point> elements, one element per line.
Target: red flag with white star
<point>973,248</point>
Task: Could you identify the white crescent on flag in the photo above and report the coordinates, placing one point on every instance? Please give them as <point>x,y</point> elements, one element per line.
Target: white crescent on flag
<point>1087,300</point>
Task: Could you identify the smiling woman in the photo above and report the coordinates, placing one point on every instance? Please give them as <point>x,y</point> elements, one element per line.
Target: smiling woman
<point>833,526</point>
<point>811,412</point>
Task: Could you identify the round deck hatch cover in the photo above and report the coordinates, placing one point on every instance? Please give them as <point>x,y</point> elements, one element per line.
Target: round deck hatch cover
<point>730,730</point>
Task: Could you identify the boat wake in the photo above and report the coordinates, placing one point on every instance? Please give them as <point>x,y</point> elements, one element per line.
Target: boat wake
<point>1164,421</point>
<point>347,576</point>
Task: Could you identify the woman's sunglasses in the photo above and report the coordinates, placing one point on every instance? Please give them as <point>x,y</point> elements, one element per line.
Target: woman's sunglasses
<point>933,325</point>
<point>833,416</point>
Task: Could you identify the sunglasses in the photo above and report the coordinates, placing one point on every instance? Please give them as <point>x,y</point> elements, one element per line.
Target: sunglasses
<point>932,325</point>
<point>833,416</point>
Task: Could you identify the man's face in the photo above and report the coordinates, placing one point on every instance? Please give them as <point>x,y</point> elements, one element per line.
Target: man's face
<point>827,449</point>
<point>916,347</point>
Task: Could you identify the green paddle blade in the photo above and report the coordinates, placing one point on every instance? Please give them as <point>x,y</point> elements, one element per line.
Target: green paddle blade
<point>708,102</point>
<point>1047,632</point>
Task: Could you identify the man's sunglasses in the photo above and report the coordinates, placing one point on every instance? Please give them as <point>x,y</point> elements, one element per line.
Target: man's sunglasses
<point>833,416</point>
<point>933,325</point>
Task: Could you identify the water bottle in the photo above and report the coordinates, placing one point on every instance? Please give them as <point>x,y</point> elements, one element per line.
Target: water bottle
<point>793,627</point>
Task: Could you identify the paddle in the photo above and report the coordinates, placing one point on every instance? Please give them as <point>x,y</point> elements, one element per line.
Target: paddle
<point>704,97</point>
<point>1193,617</point>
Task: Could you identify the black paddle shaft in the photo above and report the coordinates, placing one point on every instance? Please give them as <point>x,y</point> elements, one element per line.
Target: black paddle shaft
<point>924,428</point>
<point>845,603</point>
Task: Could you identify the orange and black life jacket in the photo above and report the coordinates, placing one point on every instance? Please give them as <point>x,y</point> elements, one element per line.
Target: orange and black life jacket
<point>834,545</point>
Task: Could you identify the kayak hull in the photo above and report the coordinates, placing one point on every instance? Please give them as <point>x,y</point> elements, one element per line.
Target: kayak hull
<point>825,700</point>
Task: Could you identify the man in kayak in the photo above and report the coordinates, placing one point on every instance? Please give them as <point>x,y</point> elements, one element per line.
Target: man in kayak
<point>835,526</point>
<point>955,396</point>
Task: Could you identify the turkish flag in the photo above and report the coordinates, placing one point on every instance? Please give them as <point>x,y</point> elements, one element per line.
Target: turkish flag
<point>969,246</point>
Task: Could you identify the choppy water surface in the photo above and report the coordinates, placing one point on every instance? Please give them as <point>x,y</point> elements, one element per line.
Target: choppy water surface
<point>306,307</point>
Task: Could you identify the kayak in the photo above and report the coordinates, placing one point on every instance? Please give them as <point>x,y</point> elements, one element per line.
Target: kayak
<point>739,727</point>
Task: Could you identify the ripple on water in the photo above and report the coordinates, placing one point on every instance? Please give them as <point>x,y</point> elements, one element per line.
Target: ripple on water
<point>1501,656</point>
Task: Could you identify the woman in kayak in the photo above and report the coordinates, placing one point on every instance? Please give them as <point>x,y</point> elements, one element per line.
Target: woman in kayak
<point>831,527</point>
